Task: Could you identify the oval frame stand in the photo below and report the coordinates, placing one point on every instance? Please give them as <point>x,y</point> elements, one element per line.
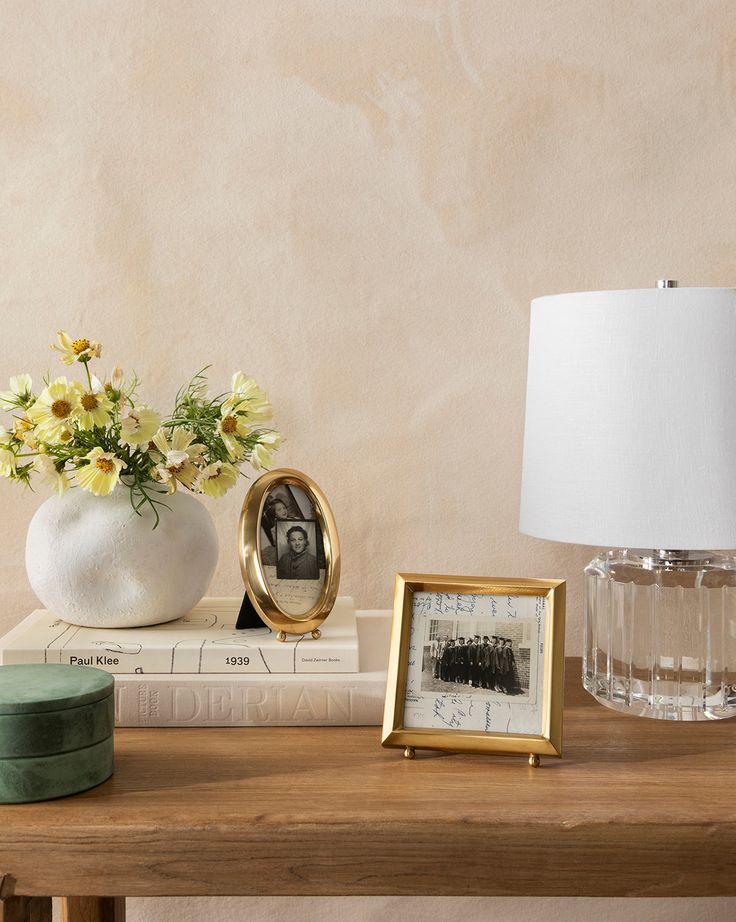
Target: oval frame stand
<point>251,565</point>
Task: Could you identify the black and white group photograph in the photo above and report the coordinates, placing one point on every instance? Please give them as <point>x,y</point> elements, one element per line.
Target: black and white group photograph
<point>482,658</point>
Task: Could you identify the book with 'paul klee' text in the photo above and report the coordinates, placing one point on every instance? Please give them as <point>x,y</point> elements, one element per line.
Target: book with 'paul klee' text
<point>204,641</point>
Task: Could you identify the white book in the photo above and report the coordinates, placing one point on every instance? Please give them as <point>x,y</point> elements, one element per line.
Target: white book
<point>272,700</point>
<point>250,701</point>
<point>203,642</point>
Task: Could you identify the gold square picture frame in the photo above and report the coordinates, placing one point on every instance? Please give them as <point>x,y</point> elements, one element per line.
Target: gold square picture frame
<point>439,699</point>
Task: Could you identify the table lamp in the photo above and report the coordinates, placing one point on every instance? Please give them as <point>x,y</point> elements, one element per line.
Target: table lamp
<point>630,444</point>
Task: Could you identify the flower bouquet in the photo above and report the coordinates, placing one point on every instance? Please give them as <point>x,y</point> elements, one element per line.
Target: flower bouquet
<point>97,433</point>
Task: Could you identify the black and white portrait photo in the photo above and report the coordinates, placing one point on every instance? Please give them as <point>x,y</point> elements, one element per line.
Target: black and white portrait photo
<point>288,504</point>
<point>281,504</point>
<point>296,550</point>
<point>291,547</point>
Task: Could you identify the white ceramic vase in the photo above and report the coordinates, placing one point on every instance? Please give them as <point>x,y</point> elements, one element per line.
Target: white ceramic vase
<point>93,561</point>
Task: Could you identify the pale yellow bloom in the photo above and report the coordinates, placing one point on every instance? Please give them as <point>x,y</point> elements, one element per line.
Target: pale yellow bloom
<point>229,427</point>
<point>23,432</point>
<point>102,473</point>
<point>7,457</point>
<point>51,414</point>
<point>46,469</point>
<point>93,407</point>
<point>114,387</point>
<point>76,350</point>
<point>7,462</point>
<point>216,479</point>
<point>20,427</point>
<point>262,455</point>
<point>177,458</point>
<point>247,399</point>
<point>19,393</point>
<point>139,426</point>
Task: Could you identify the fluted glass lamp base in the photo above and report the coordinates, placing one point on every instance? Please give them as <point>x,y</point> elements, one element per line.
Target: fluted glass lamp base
<point>660,633</point>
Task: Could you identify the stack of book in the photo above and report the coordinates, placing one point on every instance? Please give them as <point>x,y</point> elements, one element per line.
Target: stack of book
<point>201,671</point>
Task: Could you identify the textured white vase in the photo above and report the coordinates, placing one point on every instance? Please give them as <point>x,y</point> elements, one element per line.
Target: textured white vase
<point>93,561</point>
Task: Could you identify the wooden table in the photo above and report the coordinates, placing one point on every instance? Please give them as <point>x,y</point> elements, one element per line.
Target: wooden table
<point>634,808</point>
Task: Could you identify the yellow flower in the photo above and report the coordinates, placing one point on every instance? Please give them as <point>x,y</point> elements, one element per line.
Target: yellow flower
<point>177,458</point>
<point>52,413</point>
<point>139,426</point>
<point>216,479</point>
<point>94,407</point>
<point>21,425</point>
<point>102,473</point>
<point>76,350</point>
<point>229,427</point>
<point>247,399</point>
<point>7,456</point>
<point>19,394</point>
<point>263,450</point>
<point>7,462</point>
<point>23,432</point>
<point>45,467</point>
<point>114,387</point>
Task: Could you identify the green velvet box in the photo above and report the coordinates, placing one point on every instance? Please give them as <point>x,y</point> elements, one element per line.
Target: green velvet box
<point>56,730</point>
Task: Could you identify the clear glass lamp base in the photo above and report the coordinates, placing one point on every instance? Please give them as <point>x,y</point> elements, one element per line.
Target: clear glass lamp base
<point>660,633</point>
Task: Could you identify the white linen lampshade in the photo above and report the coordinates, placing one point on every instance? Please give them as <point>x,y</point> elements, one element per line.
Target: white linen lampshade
<point>630,437</point>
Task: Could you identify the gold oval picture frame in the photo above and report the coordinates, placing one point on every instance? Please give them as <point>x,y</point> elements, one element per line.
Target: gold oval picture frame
<point>258,548</point>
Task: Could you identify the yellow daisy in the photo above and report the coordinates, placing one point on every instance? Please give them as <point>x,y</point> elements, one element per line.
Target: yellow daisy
<point>52,412</point>
<point>76,350</point>
<point>19,394</point>
<point>216,479</point>
<point>94,407</point>
<point>139,426</point>
<point>176,464</point>
<point>262,455</point>
<point>102,473</point>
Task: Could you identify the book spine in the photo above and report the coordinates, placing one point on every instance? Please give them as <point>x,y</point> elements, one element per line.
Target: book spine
<point>224,701</point>
<point>207,659</point>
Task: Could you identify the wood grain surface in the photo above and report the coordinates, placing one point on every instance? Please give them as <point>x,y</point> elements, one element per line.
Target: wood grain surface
<point>635,807</point>
<point>26,909</point>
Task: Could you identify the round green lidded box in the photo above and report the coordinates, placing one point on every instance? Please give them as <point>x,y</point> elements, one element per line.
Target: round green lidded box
<point>56,730</point>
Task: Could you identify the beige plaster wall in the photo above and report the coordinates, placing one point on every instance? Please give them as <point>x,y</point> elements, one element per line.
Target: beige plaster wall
<point>355,202</point>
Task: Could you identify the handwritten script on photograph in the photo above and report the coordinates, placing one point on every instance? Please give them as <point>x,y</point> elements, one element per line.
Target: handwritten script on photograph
<point>476,662</point>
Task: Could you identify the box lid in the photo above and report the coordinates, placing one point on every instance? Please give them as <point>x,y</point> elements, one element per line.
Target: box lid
<point>29,688</point>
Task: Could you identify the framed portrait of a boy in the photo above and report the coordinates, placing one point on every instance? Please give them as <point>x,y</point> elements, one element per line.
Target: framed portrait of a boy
<point>476,665</point>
